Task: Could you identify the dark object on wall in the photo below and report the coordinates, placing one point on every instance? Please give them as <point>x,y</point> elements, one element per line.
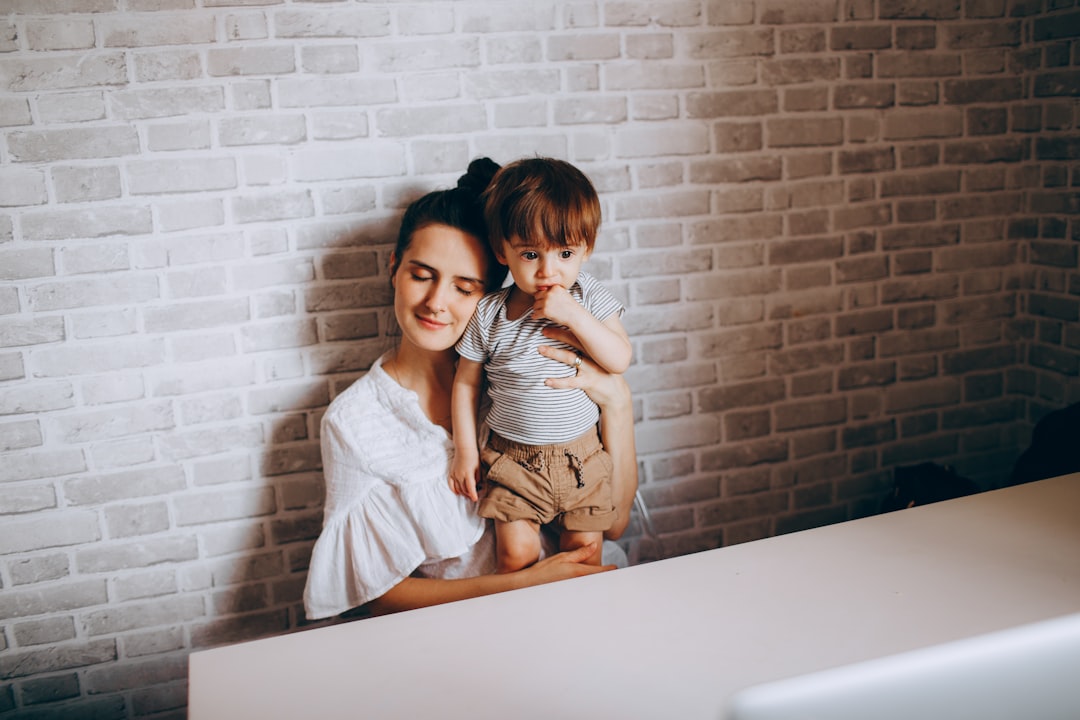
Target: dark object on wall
<point>1054,449</point>
<point>926,483</point>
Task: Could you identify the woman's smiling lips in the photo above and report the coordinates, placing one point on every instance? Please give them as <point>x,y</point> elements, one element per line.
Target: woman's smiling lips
<point>429,323</point>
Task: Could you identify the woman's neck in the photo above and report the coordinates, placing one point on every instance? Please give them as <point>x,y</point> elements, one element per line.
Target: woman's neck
<point>428,374</point>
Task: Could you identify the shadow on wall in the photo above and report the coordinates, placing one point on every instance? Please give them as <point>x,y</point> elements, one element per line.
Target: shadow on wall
<point>259,578</point>
<point>351,301</point>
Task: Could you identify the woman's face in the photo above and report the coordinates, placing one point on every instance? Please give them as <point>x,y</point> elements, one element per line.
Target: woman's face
<point>438,282</point>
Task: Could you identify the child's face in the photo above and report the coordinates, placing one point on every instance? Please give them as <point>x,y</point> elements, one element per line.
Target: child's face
<point>538,267</point>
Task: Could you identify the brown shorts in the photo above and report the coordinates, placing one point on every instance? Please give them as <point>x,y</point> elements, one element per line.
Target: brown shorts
<point>569,484</point>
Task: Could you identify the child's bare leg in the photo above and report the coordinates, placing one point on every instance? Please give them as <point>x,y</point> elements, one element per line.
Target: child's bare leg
<point>517,544</point>
<point>571,539</point>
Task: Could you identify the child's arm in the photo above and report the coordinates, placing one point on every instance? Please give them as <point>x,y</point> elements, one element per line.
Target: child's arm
<point>605,342</point>
<point>464,404</point>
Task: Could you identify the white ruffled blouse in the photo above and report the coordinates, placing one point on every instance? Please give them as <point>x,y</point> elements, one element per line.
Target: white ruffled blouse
<point>389,511</point>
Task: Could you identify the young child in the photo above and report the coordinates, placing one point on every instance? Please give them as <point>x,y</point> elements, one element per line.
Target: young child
<point>544,460</point>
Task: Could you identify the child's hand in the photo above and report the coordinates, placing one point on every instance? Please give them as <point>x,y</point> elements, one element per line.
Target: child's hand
<point>464,474</point>
<point>555,303</point>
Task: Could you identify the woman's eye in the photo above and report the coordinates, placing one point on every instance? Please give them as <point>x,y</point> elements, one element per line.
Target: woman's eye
<point>464,291</point>
<point>420,278</point>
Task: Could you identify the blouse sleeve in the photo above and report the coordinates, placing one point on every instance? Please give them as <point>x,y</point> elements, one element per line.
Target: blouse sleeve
<point>388,509</point>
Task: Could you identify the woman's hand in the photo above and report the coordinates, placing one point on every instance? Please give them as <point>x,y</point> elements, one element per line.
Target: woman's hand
<point>603,388</point>
<point>564,565</point>
<point>417,592</point>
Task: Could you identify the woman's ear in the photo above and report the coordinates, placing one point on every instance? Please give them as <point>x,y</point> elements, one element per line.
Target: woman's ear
<point>392,268</point>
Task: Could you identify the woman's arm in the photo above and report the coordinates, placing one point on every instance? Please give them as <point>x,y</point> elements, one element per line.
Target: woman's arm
<point>413,592</point>
<point>617,432</point>
<point>611,393</point>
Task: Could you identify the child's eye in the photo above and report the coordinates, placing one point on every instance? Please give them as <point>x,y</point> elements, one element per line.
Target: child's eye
<point>529,255</point>
<point>566,254</point>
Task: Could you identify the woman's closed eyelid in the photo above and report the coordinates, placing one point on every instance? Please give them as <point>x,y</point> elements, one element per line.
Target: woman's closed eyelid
<point>430,278</point>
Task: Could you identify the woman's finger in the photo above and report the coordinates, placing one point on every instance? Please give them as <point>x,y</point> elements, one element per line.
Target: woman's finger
<point>580,554</point>
<point>579,380</point>
<point>566,357</point>
<point>567,383</point>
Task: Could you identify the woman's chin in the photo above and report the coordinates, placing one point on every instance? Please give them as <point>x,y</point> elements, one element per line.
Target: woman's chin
<point>432,340</point>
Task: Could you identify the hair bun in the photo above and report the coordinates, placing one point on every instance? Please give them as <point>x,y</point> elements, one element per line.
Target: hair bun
<point>478,176</point>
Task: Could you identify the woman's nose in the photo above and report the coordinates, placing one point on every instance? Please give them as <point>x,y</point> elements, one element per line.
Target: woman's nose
<point>436,299</point>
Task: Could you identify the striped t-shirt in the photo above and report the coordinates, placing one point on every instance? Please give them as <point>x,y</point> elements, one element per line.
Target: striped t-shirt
<point>523,408</point>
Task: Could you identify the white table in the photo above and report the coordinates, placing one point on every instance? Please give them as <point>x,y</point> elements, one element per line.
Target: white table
<point>676,638</point>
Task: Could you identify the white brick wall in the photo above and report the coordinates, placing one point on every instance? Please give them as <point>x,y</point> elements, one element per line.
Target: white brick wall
<point>845,231</point>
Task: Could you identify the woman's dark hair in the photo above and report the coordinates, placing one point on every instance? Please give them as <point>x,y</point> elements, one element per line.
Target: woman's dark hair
<point>461,208</point>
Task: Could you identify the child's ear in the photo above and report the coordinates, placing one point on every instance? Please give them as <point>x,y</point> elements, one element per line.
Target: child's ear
<point>500,255</point>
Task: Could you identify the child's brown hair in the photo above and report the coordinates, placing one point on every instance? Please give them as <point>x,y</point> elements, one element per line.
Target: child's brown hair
<point>541,201</point>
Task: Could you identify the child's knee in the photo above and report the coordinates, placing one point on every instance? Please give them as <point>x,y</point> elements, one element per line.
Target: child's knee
<point>517,545</point>
<point>516,556</point>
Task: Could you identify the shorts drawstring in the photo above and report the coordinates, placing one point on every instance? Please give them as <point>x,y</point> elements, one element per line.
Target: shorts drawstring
<point>534,463</point>
<point>575,462</point>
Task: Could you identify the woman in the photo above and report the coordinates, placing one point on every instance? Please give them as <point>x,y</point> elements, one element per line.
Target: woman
<point>395,537</point>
